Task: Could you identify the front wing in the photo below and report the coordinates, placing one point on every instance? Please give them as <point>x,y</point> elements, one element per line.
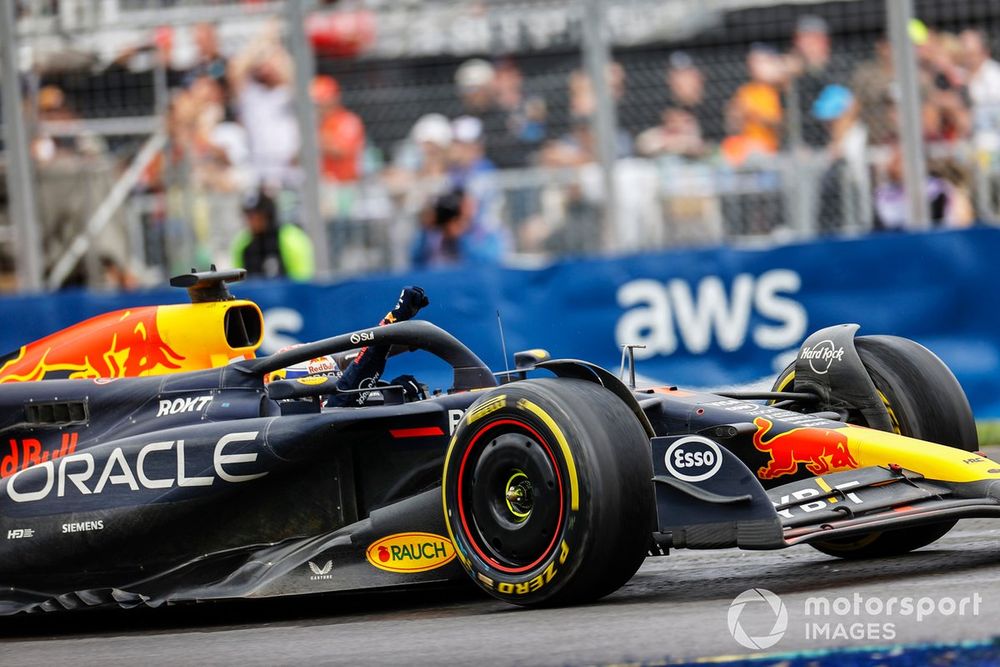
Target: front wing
<point>730,508</point>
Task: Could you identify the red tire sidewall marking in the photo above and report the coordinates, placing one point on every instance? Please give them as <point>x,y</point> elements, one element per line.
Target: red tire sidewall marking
<point>461,504</point>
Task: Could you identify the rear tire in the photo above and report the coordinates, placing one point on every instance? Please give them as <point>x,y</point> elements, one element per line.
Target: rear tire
<point>519,458</point>
<point>924,401</point>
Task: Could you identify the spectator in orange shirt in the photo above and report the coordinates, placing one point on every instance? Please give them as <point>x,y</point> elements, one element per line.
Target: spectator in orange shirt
<point>341,133</point>
<point>754,114</point>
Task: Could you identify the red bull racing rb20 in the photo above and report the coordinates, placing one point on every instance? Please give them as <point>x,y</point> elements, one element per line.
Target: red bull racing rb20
<point>149,457</point>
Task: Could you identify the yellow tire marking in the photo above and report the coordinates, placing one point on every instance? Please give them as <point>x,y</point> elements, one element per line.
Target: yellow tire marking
<point>574,488</point>
<point>892,415</point>
<point>785,382</point>
<point>490,406</point>
<point>788,379</point>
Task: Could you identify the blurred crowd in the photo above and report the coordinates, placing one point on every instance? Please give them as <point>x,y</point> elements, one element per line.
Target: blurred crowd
<point>798,102</point>
<point>852,117</point>
<point>234,136</point>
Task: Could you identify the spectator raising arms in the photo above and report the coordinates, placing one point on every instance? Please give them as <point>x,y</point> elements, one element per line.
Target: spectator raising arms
<point>942,79</point>
<point>261,79</point>
<point>209,60</point>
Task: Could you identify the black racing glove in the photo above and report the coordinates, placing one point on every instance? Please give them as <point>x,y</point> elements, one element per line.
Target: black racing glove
<point>366,369</point>
<point>411,300</point>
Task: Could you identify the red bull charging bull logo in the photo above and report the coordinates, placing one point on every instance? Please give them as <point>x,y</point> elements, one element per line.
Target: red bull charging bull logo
<point>821,450</point>
<point>120,344</point>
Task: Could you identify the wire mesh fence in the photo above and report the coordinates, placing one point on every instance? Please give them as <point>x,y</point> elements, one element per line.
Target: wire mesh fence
<point>452,130</point>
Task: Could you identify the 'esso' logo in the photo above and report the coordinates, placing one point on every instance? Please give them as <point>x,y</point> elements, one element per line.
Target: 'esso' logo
<point>693,459</point>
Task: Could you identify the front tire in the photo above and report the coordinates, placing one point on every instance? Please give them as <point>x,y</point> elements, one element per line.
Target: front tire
<point>547,492</point>
<point>924,401</point>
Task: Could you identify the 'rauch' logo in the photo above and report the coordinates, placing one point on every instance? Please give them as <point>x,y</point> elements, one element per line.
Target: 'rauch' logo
<point>773,607</point>
<point>410,552</point>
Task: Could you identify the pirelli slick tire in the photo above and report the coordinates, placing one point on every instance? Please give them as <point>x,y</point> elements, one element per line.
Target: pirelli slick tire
<point>924,401</point>
<point>547,492</point>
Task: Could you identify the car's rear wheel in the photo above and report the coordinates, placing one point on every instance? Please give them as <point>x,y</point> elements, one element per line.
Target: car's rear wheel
<point>924,401</point>
<point>547,492</point>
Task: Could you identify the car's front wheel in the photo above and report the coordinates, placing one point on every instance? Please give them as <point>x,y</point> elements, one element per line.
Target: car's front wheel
<point>547,492</point>
<point>924,401</point>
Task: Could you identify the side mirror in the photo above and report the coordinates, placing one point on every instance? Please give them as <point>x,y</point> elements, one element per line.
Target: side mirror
<point>527,359</point>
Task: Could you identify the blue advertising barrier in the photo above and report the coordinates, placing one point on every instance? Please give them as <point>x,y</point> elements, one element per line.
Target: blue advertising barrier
<point>707,317</point>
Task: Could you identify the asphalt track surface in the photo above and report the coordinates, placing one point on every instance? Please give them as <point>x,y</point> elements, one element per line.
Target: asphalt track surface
<point>674,609</point>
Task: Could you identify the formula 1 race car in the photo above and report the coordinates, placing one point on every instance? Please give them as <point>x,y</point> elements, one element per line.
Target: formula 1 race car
<point>146,461</point>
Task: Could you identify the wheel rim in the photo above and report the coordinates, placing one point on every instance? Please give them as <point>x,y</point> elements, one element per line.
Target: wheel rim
<point>510,496</point>
<point>519,495</point>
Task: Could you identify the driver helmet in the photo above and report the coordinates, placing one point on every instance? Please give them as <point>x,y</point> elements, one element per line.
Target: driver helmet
<point>322,365</point>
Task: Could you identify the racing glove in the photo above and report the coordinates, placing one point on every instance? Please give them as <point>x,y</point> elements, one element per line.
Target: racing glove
<point>366,369</point>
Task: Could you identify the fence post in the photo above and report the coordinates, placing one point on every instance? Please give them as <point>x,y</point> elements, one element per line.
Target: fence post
<point>603,123</point>
<point>305,68</point>
<point>904,58</point>
<point>20,175</point>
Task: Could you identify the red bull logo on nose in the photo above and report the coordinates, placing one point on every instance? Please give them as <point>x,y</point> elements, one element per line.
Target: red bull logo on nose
<point>121,344</point>
<point>821,450</point>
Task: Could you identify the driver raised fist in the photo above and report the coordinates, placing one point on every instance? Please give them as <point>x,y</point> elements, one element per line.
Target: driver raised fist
<point>367,368</point>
